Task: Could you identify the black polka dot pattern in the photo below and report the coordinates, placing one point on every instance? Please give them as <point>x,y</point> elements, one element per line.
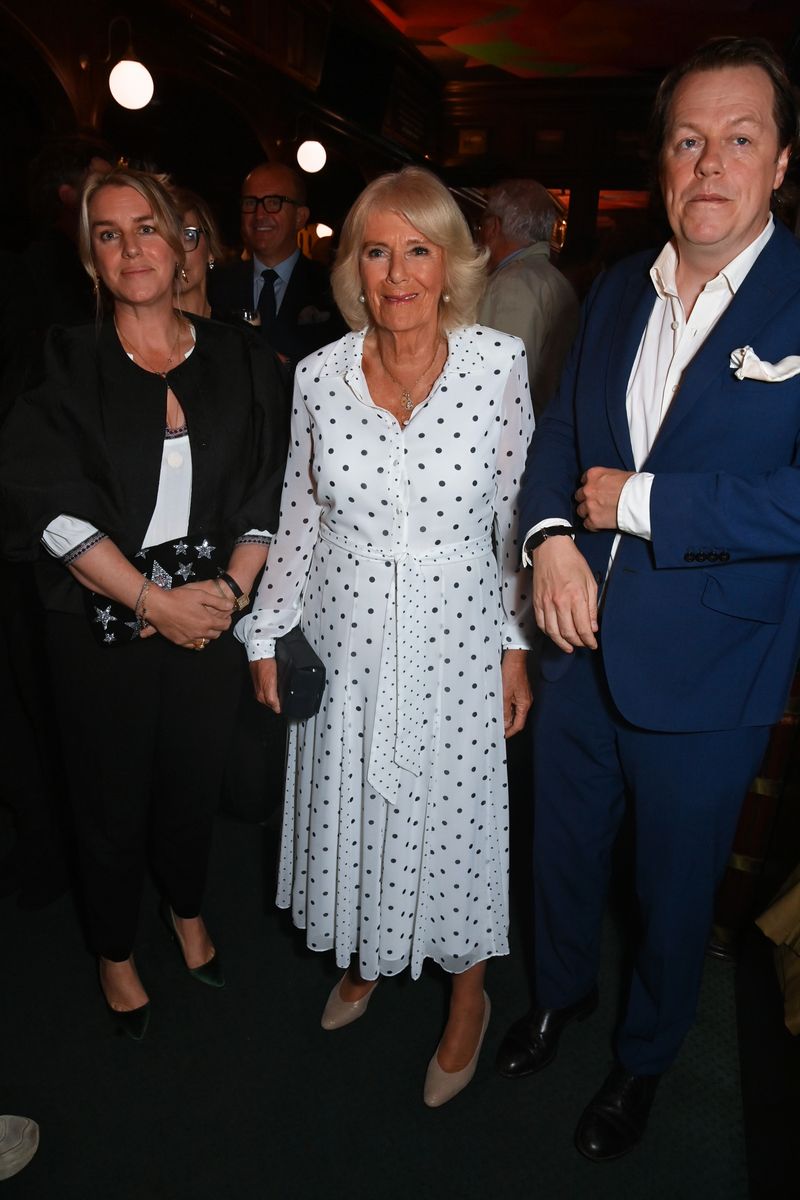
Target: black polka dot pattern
<point>398,546</point>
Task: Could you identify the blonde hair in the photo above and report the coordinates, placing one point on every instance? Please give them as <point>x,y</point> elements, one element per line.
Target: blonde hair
<point>154,189</point>
<point>422,200</point>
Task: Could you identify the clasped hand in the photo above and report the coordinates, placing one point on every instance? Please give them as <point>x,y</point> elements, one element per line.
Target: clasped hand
<point>187,614</point>
<point>598,497</point>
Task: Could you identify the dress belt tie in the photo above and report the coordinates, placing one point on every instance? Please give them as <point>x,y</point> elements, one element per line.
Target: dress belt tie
<point>406,656</point>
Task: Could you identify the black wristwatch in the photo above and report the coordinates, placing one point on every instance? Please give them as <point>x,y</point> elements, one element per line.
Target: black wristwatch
<point>548,531</point>
<point>240,598</point>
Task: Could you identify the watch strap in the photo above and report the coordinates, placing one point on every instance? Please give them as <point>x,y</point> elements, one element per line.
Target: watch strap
<point>548,531</point>
<point>240,598</point>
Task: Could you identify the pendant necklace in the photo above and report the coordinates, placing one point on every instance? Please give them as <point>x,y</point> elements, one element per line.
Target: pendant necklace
<point>406,392</point>
<point>133,350</point>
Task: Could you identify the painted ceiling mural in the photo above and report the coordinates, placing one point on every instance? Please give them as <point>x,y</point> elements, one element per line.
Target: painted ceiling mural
<point>573,38</point>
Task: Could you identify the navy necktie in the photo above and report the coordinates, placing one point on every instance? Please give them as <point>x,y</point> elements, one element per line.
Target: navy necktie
<point>266,301</point>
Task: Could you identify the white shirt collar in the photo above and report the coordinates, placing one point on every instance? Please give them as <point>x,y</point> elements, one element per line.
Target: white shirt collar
<point>284,269</point>
<point>731,276</point>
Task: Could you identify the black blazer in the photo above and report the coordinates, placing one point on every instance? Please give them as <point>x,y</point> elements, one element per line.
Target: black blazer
<point>296,332</point>
<point>88,441</point>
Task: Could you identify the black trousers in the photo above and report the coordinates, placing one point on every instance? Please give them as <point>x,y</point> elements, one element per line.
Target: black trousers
<point>146,730</point>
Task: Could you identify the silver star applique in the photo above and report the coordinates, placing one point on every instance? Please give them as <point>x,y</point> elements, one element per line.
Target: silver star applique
<point>159,576</point>
<point>110,637</point>
<point>134,626</point>
<point>140,554</point>
<point>185,571</point>
<point>181,547</point>
<point>205,550</point>
<point>104,617</point>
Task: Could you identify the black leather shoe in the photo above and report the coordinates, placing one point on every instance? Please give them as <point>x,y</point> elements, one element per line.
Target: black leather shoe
<point>615,1120</point>
<point>133,1022</point>
<point>209,973</point>
<point>531,1042</point>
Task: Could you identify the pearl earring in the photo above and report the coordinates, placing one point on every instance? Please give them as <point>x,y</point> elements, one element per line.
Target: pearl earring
<point>211,264</point>
<point>362,299</point>
<point>445,297</point>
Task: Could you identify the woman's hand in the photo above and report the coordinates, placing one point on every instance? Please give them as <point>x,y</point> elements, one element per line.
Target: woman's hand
<point>186,614</point>
<point>264,673</point>
<point>516,690</point>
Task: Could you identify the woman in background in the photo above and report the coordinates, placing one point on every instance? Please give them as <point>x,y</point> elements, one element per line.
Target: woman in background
<point>202,247</point>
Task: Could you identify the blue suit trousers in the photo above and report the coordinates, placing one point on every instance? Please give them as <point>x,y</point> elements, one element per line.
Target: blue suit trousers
<point>686,790</point>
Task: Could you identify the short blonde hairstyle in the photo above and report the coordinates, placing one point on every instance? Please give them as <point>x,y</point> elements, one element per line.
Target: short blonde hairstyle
<point>154,190</point>
<point>422,200</point>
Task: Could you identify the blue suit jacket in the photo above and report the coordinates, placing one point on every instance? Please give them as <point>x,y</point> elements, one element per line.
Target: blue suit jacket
<point>698,628</point>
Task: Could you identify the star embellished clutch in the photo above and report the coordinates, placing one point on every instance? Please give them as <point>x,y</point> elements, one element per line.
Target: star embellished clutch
<point>169,565</point>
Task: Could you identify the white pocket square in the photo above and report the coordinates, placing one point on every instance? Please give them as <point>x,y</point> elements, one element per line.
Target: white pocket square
<point>746,364</point>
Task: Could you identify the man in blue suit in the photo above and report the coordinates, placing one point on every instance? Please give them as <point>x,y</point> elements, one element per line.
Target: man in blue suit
<point>662,507</point>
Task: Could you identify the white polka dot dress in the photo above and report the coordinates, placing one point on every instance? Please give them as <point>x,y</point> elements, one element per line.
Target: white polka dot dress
<point>395,831</point>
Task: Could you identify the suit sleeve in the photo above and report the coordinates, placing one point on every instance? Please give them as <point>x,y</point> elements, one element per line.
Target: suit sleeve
<point>730,517</point>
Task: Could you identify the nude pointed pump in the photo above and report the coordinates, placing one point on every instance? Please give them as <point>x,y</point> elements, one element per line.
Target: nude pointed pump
<point>441,1085</point>
<point>339,1012</point>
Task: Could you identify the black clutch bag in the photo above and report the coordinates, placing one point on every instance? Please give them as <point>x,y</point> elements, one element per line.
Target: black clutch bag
<point>301,676</point>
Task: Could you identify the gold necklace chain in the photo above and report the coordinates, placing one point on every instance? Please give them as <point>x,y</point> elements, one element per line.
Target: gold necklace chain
<point>406,393</point>
<point>134,350</point>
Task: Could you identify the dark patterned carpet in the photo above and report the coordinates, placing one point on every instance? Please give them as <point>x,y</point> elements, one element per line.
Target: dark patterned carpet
<point>240,1095</point>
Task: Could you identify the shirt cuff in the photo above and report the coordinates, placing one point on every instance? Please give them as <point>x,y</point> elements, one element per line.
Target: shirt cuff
<point>66,537</point>
<point>633,506</point>
<point>526,558</point>
<point>256,644</point>
<point>254,537</point>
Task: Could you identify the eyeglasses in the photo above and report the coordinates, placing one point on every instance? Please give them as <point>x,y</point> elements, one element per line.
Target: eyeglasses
<point>270,204</point>
<point>191,237</point>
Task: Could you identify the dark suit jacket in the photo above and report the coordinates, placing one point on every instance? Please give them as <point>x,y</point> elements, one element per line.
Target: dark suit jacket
<point>231,288</point>
<point>698,628</point>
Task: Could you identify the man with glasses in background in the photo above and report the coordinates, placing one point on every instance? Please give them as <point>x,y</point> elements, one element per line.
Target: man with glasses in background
<point>289,293</point>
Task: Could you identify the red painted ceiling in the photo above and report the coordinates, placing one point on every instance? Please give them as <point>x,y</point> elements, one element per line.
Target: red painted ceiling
<point>572,38</point>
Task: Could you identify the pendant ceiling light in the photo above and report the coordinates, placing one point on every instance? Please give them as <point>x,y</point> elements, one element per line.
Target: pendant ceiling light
<point>129,81</point>
<point>311,156</point>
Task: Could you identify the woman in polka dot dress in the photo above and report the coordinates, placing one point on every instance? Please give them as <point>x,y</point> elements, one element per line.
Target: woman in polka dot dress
<point>396,552</point>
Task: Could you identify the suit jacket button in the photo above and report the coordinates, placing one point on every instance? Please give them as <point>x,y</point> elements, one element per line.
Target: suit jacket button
<point>723,556</point>
<point>689,557</point>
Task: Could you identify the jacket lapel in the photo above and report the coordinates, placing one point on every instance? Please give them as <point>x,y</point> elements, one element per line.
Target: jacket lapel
<point>292,300</point>
<point>770,282</point>
<point>633,313</point>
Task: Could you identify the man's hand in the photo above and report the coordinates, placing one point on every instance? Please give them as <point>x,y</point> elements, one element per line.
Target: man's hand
<point>599,496</point>
<point>564,594</point>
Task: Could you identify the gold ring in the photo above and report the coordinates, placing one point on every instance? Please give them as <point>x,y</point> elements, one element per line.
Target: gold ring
<point>200,643</point>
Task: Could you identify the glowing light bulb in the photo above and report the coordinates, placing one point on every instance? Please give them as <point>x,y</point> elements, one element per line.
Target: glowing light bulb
<point>312,156</point>
<point>131,84</point>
